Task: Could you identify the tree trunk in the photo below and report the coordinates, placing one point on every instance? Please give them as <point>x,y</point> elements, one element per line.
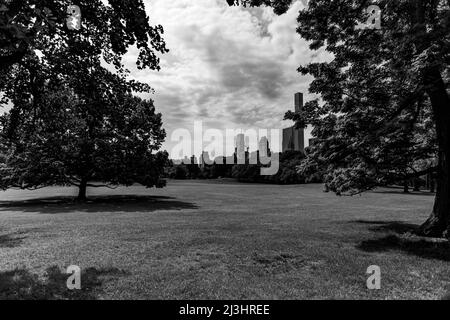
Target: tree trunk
<point>82,191</point>
<point>406,186</point>
<point>416,185</point>
<point>438,224</point>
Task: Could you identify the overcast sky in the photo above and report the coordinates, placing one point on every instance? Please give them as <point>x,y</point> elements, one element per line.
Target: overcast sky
<point>229,67</point>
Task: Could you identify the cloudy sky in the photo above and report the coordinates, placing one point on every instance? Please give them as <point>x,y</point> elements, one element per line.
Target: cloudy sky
<point>229,67</point>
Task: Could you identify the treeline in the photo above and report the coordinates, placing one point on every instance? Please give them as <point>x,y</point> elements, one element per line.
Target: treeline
<point>291,171</point>
<point>287,174</point>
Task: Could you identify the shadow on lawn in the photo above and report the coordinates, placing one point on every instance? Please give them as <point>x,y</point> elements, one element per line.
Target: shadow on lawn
<point>58,205</point>
<point>399,191</point>
<point>12,240</point>
<point>20,284</point>
<point>389,226</point>
<point>404,240</point>
<point>418,247</point>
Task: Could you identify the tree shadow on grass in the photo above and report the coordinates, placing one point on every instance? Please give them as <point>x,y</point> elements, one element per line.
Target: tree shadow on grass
<point>423,248</point>
<point>400,236</point>
<point>389,226</point>
<point>57,205</point>
<point>20,284</point>
<point>399,191</point>
<point>12,240</point>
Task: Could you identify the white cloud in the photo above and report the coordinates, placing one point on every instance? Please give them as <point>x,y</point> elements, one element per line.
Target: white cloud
<point>228,66</point>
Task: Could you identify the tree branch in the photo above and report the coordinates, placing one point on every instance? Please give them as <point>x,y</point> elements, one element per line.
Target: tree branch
<point>422,173</point>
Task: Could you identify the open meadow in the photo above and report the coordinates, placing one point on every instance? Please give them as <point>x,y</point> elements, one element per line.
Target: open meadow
<point>218,240</point>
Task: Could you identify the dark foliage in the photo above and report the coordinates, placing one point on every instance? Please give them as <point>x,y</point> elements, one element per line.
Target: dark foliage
<point>287,174</point>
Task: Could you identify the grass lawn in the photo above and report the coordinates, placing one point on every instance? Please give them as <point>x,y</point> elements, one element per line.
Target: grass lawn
<point>212,240</point>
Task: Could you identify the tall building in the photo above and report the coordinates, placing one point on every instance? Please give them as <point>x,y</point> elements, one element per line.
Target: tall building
<point>264,146</point>
<point>298,102</point>
<point>294,139</point>
<point>240,149</point>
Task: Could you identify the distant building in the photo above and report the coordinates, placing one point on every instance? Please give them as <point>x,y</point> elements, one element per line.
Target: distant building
<point>253,157</point>
<point>240,149</point>
<point>264,146</point>
<point>220,160</point>
<point>294,139</point>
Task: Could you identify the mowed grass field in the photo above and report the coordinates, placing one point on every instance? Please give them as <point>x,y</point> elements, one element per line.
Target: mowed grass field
<point>213,240</point>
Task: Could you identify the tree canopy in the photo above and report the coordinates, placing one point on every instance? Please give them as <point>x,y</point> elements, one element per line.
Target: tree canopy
<point>28,25</point>
<point>384,112</point>
<point>279,6</point>
<point>81,130</point>
<point>73,120</point>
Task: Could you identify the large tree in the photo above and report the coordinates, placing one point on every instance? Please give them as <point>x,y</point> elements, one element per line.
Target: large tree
<point>27,25</point>
<point>101,136</point>
<point>381,90</point>
<point>73,120</point>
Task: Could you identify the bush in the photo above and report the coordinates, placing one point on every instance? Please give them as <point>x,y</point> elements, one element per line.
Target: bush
<point>287,174</point>
<point>178,172</point>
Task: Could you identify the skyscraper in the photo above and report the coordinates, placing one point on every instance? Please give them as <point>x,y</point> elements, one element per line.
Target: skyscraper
<point>240,148</point>
<point>294,139</point>
<point>264,147</point>
<point>298,102</point>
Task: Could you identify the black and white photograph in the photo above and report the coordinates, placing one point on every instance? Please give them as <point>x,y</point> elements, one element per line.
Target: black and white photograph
<point>224,155</point>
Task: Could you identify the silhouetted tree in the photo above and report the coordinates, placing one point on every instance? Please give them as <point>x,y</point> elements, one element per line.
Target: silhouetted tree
<point>380,84</point>
<point>28,25</point>
<point>104,139</point>
<point>287,173</point>
<point>74,122</point>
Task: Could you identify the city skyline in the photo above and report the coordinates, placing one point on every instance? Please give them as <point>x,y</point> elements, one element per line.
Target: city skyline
<point>292,139</point>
